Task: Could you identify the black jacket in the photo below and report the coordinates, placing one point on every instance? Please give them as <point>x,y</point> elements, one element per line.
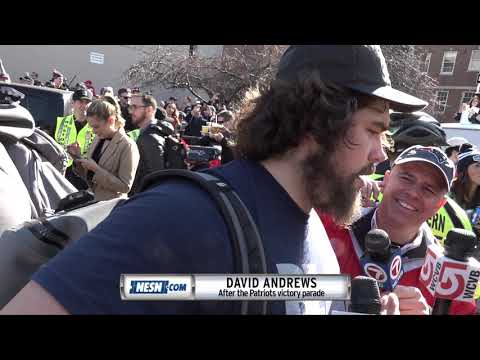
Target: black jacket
<point>194,127</point>
<point>151,145</point>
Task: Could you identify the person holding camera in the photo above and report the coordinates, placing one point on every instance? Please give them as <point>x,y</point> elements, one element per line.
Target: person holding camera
<point>472,108</point>
<point>221,136</point>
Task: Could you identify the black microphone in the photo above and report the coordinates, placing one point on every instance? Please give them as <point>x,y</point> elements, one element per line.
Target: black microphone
<point>382,261</point>
<point>460,245</point>
<point>365,296</point>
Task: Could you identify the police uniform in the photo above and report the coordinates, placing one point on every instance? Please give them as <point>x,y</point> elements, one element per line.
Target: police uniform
<point>66,134</point>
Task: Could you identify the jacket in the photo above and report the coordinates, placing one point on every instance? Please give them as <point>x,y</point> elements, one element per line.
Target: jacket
<point>151,147</point>
<point>117,167</point>
<point>348,245</point>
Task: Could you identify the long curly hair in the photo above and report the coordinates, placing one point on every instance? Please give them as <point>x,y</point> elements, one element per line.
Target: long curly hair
<point>272,122</point>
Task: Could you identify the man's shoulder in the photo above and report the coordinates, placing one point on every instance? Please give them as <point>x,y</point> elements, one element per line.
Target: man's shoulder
<point>174,193</point>
<point>151,135</point>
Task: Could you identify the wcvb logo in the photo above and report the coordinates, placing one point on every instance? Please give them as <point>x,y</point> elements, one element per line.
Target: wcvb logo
<point>451,280</point>
<point>426,274</point>
<point>376,272</point>
<point>396,267</point>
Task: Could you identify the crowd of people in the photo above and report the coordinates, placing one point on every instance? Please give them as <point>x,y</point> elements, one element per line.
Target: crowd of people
<point>311,159</point>
<point>115,141</point>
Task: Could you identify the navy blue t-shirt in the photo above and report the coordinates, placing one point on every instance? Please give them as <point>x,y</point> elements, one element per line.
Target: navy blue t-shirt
<point>175,228</point>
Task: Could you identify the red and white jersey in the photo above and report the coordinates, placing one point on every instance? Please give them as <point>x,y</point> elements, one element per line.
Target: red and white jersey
<point>348,245</point>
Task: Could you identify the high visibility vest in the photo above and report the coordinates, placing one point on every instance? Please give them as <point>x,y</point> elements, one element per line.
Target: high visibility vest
<point>134,134</point>
<point>66,134</point>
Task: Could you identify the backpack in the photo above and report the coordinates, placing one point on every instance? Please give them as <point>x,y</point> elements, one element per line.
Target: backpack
<point>28,245</point>
<point>175,153</point>
<point>38,159</point>
<point>248,252</point>
<point>174,150</point>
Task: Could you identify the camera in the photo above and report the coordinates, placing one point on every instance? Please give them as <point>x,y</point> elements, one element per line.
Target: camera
<point>198,153</point>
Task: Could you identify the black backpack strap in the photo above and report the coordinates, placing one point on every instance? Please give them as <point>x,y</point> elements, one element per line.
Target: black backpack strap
<point>248,253</point>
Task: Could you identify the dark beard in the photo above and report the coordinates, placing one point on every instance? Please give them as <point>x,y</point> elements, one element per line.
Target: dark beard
<point>331,192</point>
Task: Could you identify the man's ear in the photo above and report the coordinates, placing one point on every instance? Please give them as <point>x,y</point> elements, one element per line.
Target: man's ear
<point>441,203</point>
<point>386,178</point>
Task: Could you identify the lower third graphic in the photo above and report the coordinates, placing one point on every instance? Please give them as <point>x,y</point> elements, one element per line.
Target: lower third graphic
<point>155,287</point>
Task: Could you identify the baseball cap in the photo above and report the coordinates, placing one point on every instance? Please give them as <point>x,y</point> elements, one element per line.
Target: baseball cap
<point>468,154</point>
<point>358,67</point>
<point>56,74</point>
<point>431,155</point>
<point>456,141</point>
<point>82,94</point>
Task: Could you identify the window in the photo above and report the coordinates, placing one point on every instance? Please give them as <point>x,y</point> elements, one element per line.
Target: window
<point>193,50</point>
<point>448,63</point>
<point>467,96</point>
<point>427,62</point>
<point>474,64</point>
<point>441,101</point>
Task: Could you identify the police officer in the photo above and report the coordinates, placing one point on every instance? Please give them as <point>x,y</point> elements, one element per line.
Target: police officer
<point>74,130</point>
<point>419,128</point>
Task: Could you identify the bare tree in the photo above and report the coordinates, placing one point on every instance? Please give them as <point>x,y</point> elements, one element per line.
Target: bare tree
<point>406,65</point>
<point>229,75</point>
<point>241,67</point>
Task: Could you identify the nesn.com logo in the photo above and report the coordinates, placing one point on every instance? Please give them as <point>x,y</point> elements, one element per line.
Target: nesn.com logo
<point>155,287</point>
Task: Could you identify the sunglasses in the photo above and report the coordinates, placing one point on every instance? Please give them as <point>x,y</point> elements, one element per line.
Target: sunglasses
<point>134,107</point>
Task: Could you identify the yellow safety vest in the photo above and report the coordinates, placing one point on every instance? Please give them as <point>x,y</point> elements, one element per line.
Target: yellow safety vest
<point>134,134</point>
<point>66,134</point>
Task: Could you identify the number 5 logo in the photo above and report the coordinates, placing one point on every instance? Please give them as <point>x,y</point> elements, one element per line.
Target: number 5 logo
<point>451,280</point>
<point>426,274</point>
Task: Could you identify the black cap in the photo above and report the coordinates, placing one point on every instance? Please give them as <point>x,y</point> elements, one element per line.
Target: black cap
<point>82,94</point>
<point>431,155</point>
<point>358,67</point>
<point>467,155</point>
<point>56,74</point>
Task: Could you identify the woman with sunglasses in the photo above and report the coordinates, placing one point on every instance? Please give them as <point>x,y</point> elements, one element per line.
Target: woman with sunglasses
<point>111,162</point>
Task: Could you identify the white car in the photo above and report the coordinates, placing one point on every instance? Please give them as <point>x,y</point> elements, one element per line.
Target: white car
<point>471,132</point>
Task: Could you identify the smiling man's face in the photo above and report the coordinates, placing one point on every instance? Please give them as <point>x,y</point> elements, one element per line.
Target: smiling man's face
<point>413,193</point>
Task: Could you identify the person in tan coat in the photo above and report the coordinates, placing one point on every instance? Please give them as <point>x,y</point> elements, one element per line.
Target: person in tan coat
<point>112,160</point>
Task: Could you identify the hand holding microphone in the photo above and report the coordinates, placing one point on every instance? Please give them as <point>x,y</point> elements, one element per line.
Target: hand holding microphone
<point>452,274</point>
<point>382,261</point>
<point>411,301</point>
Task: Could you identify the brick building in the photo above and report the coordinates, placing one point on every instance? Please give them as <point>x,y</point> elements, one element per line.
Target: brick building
<point>456,68</point>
